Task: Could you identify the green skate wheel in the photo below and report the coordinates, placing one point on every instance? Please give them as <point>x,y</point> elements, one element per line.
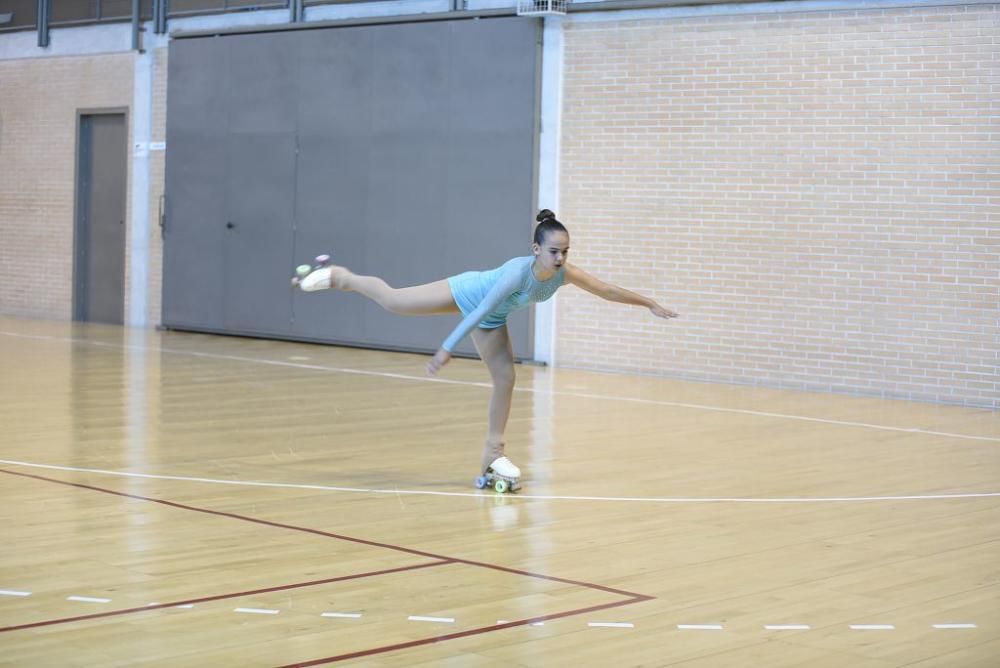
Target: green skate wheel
<point>303,270</point>
<point>501,486</point>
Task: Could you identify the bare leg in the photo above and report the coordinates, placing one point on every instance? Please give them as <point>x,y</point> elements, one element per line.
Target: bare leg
<point>427,299</point>
<point>495,348</point>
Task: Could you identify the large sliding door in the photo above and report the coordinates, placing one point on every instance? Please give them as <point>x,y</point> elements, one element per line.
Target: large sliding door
<point>405,150</point>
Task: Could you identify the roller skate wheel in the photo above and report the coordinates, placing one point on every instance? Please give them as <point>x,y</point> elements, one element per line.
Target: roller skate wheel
<point>481,482</point>
<point>302,270</point>
<point>501,486</point>
<point>322,259</point>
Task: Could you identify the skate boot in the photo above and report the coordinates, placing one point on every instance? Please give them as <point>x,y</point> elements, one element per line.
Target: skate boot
<point>498,471</point>
<point>320,276</point>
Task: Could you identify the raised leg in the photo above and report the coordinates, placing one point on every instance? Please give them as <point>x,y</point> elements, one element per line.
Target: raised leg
<point>427,299</point>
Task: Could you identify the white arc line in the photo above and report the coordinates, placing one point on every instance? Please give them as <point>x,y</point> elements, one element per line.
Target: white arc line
<point>88,599</point>
<point>476,495</point>
<point>532,390</point>
<point>440,620</point>
<point>10,592</point>
<point>787,627</point>
<point>257,611</point>
<point>700,627</point>
<point>344,615</point>
<point>873,627</point>
<point>612,625</point>
<point>955,626</point>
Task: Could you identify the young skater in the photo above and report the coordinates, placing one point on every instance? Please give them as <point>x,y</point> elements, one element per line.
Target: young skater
<point>485,298</point>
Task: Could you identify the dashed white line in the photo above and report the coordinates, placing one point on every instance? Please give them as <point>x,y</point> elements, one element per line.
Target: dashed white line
<point>439,620</point>
<point>873,627</point>
<point>88,599</point>
<point>344,615</point>
<point>257,611</point>
<point>11,592</point>
<point>700,627</point>
<point>955,626</point>
<point>612,625</point>
<point>787,627</point>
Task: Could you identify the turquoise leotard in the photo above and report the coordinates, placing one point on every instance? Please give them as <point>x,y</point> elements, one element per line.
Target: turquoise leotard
<point>486,298</point>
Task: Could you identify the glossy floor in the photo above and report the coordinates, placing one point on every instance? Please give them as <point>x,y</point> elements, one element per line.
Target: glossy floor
<point>190,500</point>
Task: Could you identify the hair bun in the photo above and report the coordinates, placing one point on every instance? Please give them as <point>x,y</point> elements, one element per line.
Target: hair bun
<point>544,215</point>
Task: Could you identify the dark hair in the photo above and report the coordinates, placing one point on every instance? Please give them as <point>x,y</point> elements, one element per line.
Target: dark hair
<point>547,223</point>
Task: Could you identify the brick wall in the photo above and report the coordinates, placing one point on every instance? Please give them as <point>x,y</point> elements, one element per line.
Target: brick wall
<point>39,99</point>
<point>817,193</point>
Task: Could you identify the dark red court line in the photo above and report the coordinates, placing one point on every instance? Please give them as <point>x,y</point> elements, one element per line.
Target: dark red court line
<point>463,634</point>
<point>219,597</point>
<point>327,534</point>
<point>632,597</point>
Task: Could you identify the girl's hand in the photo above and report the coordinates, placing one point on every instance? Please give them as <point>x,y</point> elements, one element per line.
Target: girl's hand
<point>441,357</point>
<point>661,312</point>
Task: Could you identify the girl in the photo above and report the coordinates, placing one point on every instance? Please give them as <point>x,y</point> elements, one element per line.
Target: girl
<point>485,298</point>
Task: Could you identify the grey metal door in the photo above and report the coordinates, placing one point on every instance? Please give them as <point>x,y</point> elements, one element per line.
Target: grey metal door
<point>417,152</point>
<point>405,150</point>
<point>261,182</point>
<point>196,194</point>
<point>99,267</point>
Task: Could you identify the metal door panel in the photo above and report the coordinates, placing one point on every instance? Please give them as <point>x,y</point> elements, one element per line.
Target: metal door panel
<point>194,255</point>
<point>258,233</point>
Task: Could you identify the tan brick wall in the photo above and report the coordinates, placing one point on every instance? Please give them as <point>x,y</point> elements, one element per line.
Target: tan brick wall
<point>818,194</point>
<point>39,99</point>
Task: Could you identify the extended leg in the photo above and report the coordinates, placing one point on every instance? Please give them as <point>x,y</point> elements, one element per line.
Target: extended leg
<point>428,299</point>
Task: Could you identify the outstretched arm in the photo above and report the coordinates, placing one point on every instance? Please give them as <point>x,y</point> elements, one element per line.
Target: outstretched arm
<point>613,293</point>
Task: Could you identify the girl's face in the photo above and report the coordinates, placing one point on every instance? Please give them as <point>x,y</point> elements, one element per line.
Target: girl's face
<point>553,252</point>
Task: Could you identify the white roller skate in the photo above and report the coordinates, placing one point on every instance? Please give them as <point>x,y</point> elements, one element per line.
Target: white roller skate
<point>318,276</point>
<point>498,471</point>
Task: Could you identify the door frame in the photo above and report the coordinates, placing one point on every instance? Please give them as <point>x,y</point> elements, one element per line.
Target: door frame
<point>77,194</point>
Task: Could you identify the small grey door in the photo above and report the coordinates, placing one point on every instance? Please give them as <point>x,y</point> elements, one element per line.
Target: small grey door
<point>99,253</point>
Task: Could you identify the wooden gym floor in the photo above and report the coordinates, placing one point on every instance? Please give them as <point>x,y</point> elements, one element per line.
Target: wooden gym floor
<point>174,499</point>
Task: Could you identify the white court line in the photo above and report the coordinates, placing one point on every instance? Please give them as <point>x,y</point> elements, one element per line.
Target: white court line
<point>342,615</point>
<point>88,599</point>
<point>257,611</point>
<point>184,607</point>
<point>533,497</point>
<point>700,627</point>
<point>584,395</point>
<point>873,627</point>
<point>11,592</point>
<point>440,620</point>
<point>955,626</point>
<point>612,625</point>
<point>787,627</point>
